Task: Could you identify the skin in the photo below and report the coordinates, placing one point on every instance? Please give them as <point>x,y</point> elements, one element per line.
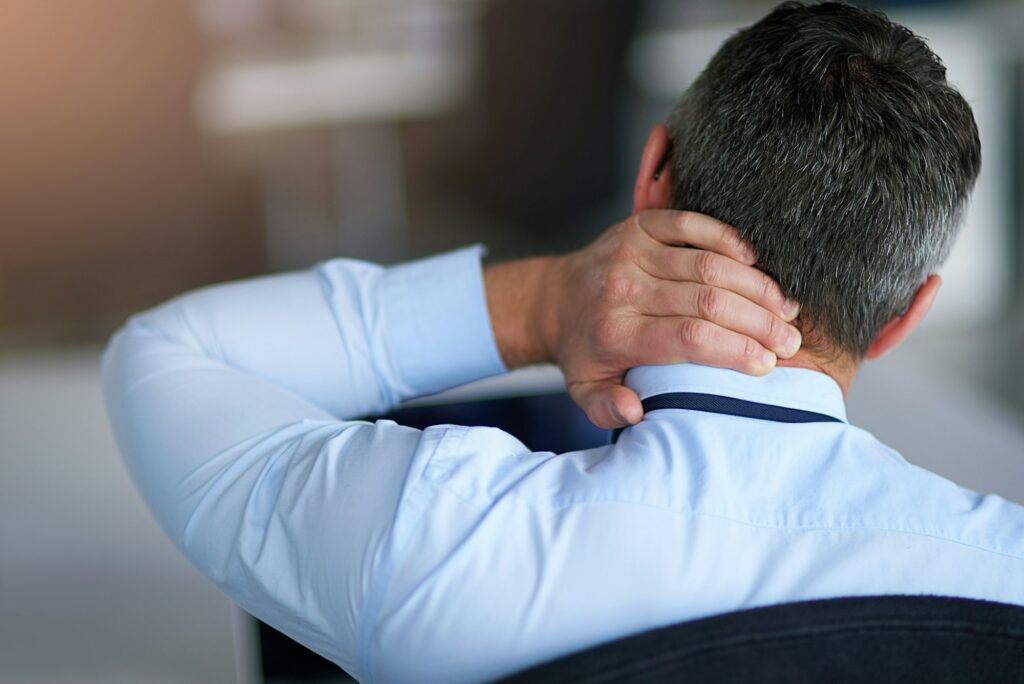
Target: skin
<point>661,287</point>
<point>636,297</point>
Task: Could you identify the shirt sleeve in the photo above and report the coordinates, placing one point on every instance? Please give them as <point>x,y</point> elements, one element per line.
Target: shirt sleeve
<point>233,407</point>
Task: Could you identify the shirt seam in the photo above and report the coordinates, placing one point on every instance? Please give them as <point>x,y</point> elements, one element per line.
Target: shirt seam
<point>747,523</point>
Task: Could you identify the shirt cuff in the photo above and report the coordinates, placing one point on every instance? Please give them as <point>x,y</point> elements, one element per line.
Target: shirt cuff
<point>438,331</point>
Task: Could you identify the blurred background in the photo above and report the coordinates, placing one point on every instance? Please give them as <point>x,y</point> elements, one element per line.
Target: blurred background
<point>151,148</point>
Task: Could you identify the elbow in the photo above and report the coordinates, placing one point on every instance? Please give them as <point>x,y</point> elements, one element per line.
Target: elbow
<point>121,362</point>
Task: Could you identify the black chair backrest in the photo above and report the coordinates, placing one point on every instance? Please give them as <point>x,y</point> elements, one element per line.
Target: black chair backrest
<point>874,639</point>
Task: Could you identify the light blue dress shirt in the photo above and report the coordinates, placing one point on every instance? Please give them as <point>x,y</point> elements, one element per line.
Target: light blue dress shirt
<point>455,554</point>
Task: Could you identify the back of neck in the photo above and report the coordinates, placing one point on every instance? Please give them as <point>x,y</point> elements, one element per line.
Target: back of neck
<point>840,368</point>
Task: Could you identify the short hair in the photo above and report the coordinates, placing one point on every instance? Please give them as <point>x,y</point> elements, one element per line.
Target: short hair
<point>829,137</point>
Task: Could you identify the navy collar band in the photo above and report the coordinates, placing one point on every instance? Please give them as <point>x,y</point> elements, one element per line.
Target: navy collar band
<point>711,403</point>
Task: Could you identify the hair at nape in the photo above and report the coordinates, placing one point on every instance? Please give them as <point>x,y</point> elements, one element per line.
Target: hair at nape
<point>829,137</point>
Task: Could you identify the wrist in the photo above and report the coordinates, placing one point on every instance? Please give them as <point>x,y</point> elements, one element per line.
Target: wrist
<point>547,311</point>
<point>522,303</point>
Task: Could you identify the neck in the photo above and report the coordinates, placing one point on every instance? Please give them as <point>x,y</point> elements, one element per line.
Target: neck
<point>840,368</point>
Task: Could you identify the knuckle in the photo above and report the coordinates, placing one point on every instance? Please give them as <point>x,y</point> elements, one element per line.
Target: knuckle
<point>709,303</point>
<point>735,241</point>
<point>775,332</point>
<point>619,287</point>
<point>731,239</point>
<point>695,332</point>
<point>708,268</point>
<point>645,264</point>
<point>639,223</point>
<point>595,417</point>
<point>607,334</point>
<point>768,290</point>
<point>751,352</point>
<point>683,223</point>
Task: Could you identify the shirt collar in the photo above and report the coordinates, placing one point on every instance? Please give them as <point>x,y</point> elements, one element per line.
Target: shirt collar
<point>797,388</point>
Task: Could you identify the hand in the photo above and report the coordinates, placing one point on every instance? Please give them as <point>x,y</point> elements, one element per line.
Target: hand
<point>660,287</point>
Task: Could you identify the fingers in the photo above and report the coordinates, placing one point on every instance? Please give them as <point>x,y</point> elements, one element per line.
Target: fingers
<point>708,268</point>
<point>681,339</point>
<point>679,228</point>
<point>668,287</point>
<point>607,403</point>
<point>723,308</point>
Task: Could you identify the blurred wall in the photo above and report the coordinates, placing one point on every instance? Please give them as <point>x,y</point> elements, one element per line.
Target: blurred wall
<point>109,199</point>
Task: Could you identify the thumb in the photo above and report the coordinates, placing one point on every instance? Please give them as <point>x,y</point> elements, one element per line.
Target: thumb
<point>607,403</point>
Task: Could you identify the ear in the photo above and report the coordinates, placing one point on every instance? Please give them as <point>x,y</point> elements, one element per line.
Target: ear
<point>897,329</point>
<point>653,189</point>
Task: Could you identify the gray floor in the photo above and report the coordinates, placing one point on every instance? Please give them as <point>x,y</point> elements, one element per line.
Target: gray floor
<point>91,591</point>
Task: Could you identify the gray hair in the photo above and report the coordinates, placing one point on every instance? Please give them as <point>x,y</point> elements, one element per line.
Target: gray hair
<point>828,136</point>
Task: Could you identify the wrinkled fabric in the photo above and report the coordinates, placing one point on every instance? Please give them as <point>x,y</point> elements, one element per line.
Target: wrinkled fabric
<point>455,554</point>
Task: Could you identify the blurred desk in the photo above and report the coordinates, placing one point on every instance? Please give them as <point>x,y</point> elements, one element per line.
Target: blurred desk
<point>353,103</point>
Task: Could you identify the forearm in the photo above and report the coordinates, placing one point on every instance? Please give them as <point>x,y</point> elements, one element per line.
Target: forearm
<point>353,338</point>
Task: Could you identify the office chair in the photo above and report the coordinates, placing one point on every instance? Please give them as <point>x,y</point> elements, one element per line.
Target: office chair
<point>875,639</point>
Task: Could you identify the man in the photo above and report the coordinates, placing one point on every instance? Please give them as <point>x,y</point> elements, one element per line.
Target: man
<point>829,137</point>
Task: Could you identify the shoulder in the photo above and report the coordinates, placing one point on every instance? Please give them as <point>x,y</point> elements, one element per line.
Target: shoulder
<point>886,491</point>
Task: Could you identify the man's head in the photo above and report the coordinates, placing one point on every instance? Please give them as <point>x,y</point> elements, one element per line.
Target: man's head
<point>828,136</point>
